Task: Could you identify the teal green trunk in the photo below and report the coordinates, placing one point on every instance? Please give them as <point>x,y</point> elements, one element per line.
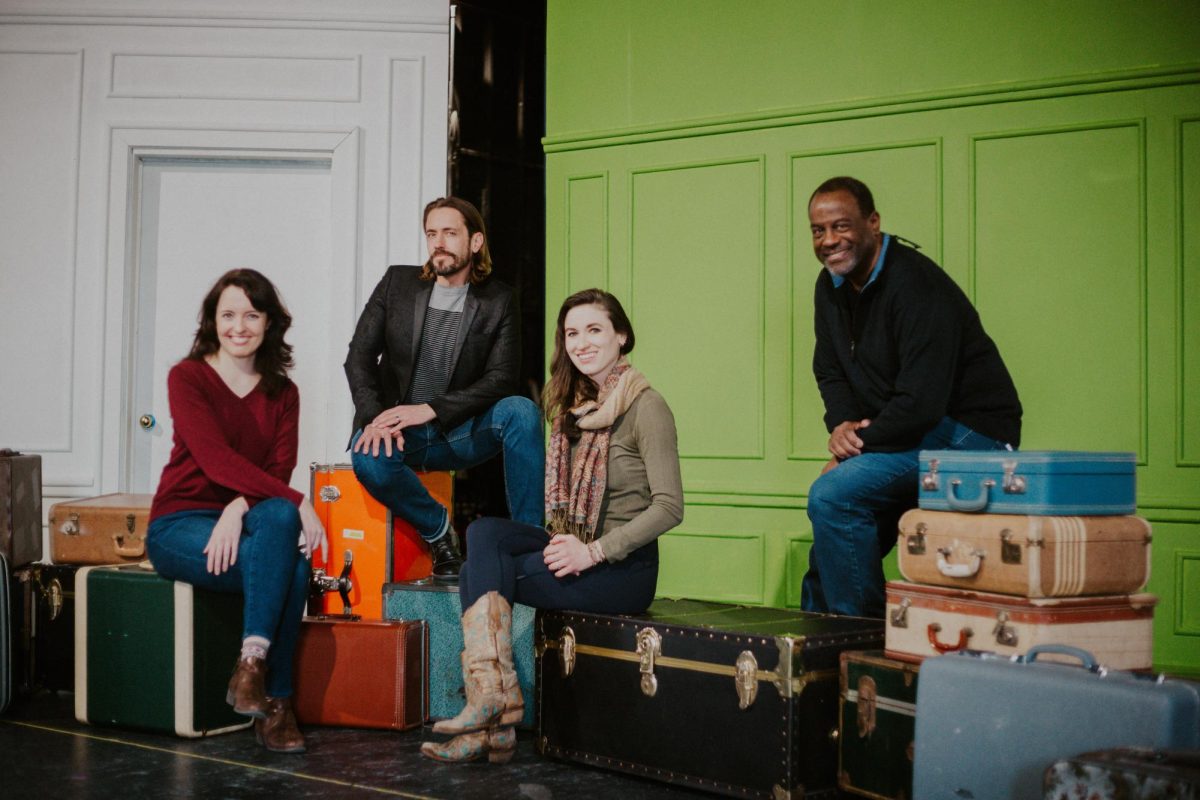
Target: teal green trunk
<point>1046,154</point>
<point>878,717</point>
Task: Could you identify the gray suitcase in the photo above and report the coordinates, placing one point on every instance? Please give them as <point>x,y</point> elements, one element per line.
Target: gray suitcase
<point>988,725</point>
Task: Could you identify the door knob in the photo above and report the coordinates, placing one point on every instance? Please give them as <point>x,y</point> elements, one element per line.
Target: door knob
<point>147,421</point>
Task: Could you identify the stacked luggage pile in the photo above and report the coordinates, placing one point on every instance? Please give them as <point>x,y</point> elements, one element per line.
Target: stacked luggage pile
<point>1022,569</point>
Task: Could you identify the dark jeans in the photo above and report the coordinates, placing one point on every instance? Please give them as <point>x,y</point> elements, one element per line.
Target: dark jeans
<point>513,425</point>
<point>506,556</point>
<point>854,509</point>
<point>270,571</point>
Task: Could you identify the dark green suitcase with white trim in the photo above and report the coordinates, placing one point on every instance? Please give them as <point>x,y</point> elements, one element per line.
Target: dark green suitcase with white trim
<point>154,654</point>
<point>878,713</point>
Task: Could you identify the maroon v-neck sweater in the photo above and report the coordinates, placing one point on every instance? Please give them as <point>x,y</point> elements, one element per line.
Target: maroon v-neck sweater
<point>225,445</point>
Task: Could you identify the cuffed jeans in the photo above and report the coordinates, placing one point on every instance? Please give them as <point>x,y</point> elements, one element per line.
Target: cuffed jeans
<point>270,571</point>
<point>506,557</point>
<point>855,509</point>
<point>513,425</point>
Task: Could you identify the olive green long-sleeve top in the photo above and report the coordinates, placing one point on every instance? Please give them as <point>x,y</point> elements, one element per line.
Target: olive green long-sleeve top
<point>644,496</point>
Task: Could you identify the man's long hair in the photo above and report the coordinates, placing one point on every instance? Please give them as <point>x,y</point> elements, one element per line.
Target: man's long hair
<point>568,387</point>
<point>273,358</point>
<point>481,262</point>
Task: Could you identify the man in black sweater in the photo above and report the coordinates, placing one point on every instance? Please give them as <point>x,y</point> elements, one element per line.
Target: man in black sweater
<point>903,364</point>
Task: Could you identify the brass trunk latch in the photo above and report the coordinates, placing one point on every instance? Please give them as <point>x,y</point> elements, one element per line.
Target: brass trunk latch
<point>649,647</point>
<point>1010,551</point>
<point>330,493</point>
<point>54,598</point>
<point>566,651</point>
<point>746,680</point>
<point>916,540</point>
<point>929,481</point>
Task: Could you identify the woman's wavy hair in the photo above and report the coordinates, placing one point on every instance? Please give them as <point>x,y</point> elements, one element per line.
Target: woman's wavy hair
<point>481,262</point>
<point>273,358</point>
<point>568,387</point>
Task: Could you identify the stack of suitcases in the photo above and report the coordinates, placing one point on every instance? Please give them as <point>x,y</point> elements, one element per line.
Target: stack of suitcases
<point>1018,638</point>
<point>1007,550</point>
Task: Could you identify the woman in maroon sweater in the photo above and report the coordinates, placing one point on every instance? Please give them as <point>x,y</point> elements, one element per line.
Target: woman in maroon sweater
<point>224,517</point>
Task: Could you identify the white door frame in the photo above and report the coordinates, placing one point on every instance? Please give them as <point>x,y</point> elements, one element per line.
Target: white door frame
<point>129,146</point>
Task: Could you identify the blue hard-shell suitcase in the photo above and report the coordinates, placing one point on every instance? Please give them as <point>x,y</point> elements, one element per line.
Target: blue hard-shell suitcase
<point>988,725</point>
<point>1042,482</point>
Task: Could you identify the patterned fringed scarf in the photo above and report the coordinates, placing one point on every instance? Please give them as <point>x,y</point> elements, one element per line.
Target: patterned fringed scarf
<point>575,488</point>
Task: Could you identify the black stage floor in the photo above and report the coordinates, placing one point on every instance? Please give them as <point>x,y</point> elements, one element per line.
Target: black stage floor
<point>45,753</point>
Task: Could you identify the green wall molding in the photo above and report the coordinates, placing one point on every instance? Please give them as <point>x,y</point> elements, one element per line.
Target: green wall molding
<point>1076,85</point>
<point>1188,328</point>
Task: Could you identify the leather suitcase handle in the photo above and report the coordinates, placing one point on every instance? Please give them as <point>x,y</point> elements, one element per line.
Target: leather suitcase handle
<point>136,549</point>
<point>963,635</point>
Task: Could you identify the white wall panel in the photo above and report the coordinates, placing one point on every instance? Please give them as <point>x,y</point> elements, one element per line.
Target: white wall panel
<point>200,77</point>
<point>39,150</point>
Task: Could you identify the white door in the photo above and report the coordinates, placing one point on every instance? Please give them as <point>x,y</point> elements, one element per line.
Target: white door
<point>197,218</point>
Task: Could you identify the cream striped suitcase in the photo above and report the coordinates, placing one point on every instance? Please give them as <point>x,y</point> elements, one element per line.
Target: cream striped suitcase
<point>1031,556</point>
<point>927,621</point>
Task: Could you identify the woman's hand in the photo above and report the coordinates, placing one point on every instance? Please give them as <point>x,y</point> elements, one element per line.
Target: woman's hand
<point>312,532</point>
<point>566,555</point>
<point>222,545</point>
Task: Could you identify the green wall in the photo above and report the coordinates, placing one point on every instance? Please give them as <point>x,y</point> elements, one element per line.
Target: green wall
<point>1047,154</point>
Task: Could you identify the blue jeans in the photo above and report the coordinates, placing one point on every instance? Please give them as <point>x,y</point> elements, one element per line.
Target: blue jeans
<point>513,425</point>
<point>270,571</point>
<point>854,509</point>
<point>506,557</point>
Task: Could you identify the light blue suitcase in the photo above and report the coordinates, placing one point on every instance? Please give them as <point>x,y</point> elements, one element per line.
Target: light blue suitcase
<point>988,726</point>
<point>1040,482</point>
<point>438,605</point>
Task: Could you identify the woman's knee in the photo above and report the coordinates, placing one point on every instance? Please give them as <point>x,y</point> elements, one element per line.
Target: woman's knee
<point>275,513</point>
<point>483,534</point>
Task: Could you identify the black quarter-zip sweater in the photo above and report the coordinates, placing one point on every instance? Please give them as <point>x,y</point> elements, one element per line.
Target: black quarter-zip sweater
<point>907,351</point>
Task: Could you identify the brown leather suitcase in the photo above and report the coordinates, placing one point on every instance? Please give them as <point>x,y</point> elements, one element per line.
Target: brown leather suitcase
<point>362,673</point>
<point>20,508</point>
<point>1027,555</point>
<point>109,529</point>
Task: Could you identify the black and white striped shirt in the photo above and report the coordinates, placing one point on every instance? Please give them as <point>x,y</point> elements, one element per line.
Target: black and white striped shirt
<point>438,337</point>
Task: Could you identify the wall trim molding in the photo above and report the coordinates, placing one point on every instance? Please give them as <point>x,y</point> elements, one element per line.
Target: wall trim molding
<point>1182,458</point>
<point>961,97</point>
<point>194,18</point>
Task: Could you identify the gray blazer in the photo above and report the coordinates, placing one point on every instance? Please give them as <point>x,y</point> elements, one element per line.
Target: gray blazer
<point>383,353</point>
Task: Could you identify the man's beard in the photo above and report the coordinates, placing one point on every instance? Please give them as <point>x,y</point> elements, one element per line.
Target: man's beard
<point>445,269</point>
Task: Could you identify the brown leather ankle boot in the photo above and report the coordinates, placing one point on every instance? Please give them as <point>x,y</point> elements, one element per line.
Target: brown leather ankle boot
<point>279,732</point>
<point>246,693</point>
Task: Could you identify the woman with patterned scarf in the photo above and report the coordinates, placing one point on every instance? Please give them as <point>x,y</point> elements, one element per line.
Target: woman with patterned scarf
<point>612,488</point>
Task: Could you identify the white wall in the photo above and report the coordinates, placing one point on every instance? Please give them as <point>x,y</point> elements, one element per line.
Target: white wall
<point>86,90</point>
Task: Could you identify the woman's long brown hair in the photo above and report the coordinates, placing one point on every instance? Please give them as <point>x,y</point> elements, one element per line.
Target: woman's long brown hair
<point>273,358</point>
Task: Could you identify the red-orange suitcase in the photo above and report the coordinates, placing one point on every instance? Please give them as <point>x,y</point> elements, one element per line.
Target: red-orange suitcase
<point>362,673</point>
<point>358,524</point>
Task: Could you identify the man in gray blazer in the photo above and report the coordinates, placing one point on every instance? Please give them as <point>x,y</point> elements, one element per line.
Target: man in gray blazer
<point>434,370</point>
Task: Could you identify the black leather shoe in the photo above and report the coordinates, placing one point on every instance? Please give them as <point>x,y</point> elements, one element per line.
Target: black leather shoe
<point>446,559</point>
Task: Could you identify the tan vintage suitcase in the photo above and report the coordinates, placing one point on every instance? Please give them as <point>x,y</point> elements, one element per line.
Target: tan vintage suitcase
<point>931,620</point>
<point>1031,556</point>
<point>109,529</point>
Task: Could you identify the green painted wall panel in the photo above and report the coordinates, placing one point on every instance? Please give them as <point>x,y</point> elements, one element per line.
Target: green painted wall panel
<point>1189,289</point>
<point>1065,304</point>
<point>587,232</point>
<point>621,63</point>
<point>709,217</point>
<point>697,566</point>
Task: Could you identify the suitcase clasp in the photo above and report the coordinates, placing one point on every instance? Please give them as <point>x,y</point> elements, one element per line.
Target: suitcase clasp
<point>929,481</point>
<point>866,706</point>
<point>899,616</point>
<point>746,679</point>
<point>566,651</point>
<point>330,493</point>
<point>1010,551</point>
<point>54,598</point>
<point>1012,483</point>
<point>649,647</point>
<point>1005,634</point>
<point>916,540</point>
<point>71,526</point>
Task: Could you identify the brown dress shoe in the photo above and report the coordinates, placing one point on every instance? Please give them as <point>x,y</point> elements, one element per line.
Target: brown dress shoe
<point>279,732</point>
<point>246,688</point>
